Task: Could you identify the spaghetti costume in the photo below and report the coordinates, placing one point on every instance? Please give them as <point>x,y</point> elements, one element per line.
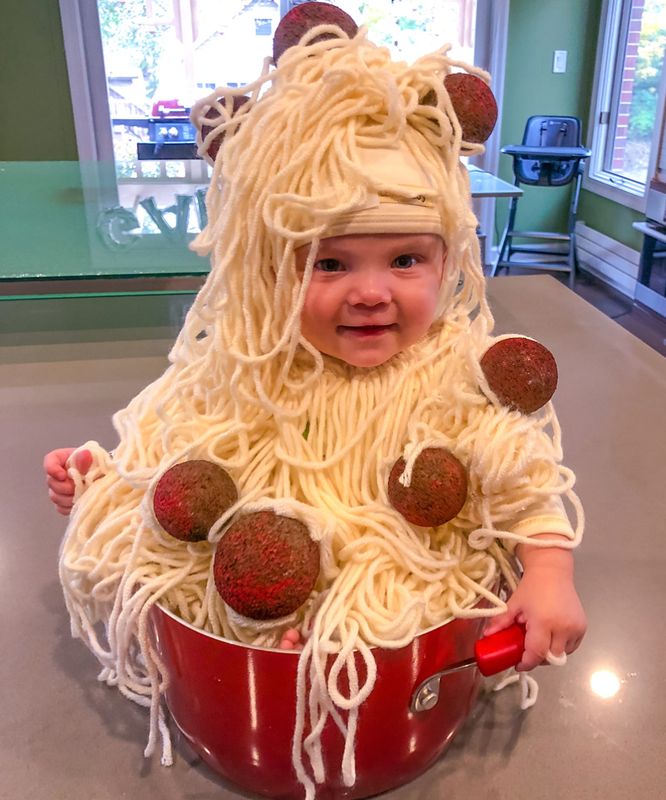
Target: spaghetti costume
<point>337,139</point>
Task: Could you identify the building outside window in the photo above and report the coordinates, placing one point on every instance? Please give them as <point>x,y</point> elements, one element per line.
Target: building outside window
<point>625,111</point>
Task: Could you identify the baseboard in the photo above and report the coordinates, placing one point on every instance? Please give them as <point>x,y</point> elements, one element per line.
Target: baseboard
<point>607,259</point>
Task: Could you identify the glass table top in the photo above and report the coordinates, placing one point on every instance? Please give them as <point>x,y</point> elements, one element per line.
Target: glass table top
<point>485,184</point>
<point>69,220</point>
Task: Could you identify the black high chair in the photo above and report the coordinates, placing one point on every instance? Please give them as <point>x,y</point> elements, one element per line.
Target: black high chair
<point>550,155</point>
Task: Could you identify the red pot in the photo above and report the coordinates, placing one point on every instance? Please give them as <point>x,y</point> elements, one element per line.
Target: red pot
<point>236,705</point>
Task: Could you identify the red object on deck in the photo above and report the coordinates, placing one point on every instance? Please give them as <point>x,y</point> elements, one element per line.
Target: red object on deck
<point>169,108</point>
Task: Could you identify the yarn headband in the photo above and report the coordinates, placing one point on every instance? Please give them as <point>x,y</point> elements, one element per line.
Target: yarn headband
<point>405,198</point>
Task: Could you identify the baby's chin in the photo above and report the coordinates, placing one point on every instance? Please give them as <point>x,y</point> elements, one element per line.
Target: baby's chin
<point>362,360</point>
<point>369,363</point>
<point>369,358</point>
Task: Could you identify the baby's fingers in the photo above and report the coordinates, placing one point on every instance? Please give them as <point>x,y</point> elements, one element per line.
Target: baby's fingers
<point>291,640</point>
<point>65,487</point>
<point>537,645</point>
<point>82,461</point>
<point>499,622</point>
<point>55,463</point>
<point>62,502</point>
<point>565,642</point>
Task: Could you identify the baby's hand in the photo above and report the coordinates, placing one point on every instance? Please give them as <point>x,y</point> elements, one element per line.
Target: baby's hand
<point>61,486</point>
<point>546,602</point>
<point>291,640</point>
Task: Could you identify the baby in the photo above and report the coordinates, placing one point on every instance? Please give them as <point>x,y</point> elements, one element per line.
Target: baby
<point>370,297</point>
<point>341,328</point>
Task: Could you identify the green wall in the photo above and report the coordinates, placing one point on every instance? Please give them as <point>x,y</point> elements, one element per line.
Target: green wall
<point>34,81</point>
<point>610,218</point>
<point>536,29</point>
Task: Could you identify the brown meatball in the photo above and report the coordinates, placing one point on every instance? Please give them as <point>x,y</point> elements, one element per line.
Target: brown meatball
<point>473,102</point>
<point>301,18</point>
<point>521,372</point>
<point>266,565</point>
<point>437,491</point>
<point>238,101</point>
<point>190,497</point>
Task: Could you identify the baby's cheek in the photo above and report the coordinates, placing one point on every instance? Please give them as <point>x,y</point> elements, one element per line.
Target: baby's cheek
<point>425,314</point>
<point>306,324</point>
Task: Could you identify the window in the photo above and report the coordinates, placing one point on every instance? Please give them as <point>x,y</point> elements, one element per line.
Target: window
<point>151,59</point>
<point>630,60</point>
<point>136,66</point>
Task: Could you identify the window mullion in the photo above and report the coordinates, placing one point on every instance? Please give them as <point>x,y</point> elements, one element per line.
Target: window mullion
<point>616,82</point>
<point>600,118</point>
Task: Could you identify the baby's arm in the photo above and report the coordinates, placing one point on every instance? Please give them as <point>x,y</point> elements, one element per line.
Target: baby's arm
<point>61,486</point>
<point>546,602</point>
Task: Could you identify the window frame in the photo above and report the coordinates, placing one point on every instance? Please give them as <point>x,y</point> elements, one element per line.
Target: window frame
<point>87,81</point>
<point>84,54</point>
<point>611,45</point>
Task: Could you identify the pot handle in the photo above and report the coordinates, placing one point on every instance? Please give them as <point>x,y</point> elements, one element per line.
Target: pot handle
<point>500,651</point>
<point>492,654</point>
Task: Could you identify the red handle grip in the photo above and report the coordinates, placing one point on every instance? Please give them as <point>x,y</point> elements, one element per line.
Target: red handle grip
<point>500,651</point>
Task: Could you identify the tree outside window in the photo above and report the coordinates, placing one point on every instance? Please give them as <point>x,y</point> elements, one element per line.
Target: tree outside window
<point>643,61</point>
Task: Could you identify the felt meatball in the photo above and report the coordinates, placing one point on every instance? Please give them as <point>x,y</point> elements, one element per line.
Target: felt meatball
<point>473,102</point>
<point>437,491</point>
<point>190,497</point>
<point>238,101</point>
<point>266,565</point>
<point>298,21</point>
<point>521,372</point>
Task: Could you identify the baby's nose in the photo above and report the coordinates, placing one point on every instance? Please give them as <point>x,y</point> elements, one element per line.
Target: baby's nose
<point>370,289</point>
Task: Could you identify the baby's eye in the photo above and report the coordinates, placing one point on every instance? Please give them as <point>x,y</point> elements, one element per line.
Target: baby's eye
<point>404,261</point>
<point>328,265</point>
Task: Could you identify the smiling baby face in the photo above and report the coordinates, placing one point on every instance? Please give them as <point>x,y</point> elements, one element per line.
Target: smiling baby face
<point>371,295</point>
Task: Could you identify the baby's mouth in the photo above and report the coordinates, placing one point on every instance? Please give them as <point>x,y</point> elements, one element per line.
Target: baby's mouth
<point>366,330</point>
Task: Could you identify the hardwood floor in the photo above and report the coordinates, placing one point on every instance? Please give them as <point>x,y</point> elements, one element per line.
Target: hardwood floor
<point>644,323</point>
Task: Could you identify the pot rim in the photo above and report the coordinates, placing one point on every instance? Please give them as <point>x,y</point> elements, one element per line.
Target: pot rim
<point>293,653</point>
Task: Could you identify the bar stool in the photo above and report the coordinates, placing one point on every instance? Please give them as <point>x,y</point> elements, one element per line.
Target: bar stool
<point>550,155</point>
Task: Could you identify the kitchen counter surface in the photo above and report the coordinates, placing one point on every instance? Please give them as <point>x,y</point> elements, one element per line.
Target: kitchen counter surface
<point>64,736</point>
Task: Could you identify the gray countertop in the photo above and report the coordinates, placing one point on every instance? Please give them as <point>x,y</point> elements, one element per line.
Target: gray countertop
<point>63,736</point>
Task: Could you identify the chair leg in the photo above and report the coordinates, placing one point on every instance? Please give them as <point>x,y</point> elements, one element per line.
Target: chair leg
<point>571,259</point>
<point>500,254</point>
<point>573,211</point>
<point>505,243</point>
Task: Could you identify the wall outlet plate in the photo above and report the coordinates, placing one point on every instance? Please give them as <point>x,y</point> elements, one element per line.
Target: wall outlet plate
<point>560,61</point>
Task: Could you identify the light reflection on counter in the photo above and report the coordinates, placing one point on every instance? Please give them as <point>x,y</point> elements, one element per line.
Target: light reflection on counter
<point>605,683</point>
